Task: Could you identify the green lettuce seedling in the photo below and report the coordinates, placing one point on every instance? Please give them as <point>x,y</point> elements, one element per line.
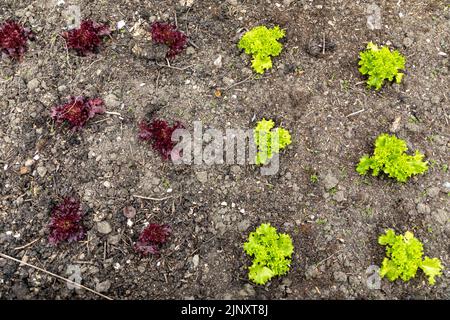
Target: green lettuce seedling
<point>269,141</point>
<point>271,253</point>
<point>390,157</point>
<point>404,257</point>
<point>381,64</point>
<point>262,44</point>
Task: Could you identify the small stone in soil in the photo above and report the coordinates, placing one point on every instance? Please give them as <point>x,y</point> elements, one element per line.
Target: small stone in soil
<point>104,227</point>
<point>195,260</point>
<point>111,100</point>
<point>423,208</point>
<point>103,286</point>
<point>129,212</point>
<point>244,225</point>
<point>33,84</point>
<point>202,176</point>
<point>42,171</point>
<point>114,239</point>
<point>218,62</point>
<point>330,181</point>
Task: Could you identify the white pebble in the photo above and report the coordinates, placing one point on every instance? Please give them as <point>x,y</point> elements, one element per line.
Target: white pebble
<point>120,24</point>
<point>218,61</point>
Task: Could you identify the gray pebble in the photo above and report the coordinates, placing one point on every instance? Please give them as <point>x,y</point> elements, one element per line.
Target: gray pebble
<point>195,260</point>
<point>330,181</point>
<point>33,84</point>
<point>190,51</point>
<point>104,227</point>
<point>103,286</point>
<point>111,100</point>
<point>423,208</point>
<point>141,268</point>
<point>114,239</point>
<point>42,171</point>
<point>244,225</point>
<point>202,176</point>
<point>236,170</point>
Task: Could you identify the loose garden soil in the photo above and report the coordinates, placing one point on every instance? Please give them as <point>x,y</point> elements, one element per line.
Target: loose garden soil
<point>317,94</point>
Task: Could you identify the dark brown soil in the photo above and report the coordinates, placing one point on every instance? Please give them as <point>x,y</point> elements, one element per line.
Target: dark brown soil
<point>317,95</point>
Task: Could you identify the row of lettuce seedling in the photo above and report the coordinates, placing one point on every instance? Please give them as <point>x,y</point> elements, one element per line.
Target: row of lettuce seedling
<point>271,251</point>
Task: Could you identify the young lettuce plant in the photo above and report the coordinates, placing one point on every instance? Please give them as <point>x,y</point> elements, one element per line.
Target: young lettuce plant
<point>167,34</point>
<point>390,157</point>
<point>261,43</point>
<point>269,141</point>
<point>404,257</point>
<point>159,134</point>
<point>87,38</point>
<point>77,111</point>
<point>271,253</point>
<point>14,39</point>
<point>66,222</point>
<point>381,64</point>
<point>151,238</point>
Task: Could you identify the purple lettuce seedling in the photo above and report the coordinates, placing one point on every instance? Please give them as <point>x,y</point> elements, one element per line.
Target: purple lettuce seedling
<point>66,222</point>
<point>166,33</point>
<point>77,111</point>
<point>87,38</point>
<point>151,238</point>
<point>14,39</point>
<point>159,133</point>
